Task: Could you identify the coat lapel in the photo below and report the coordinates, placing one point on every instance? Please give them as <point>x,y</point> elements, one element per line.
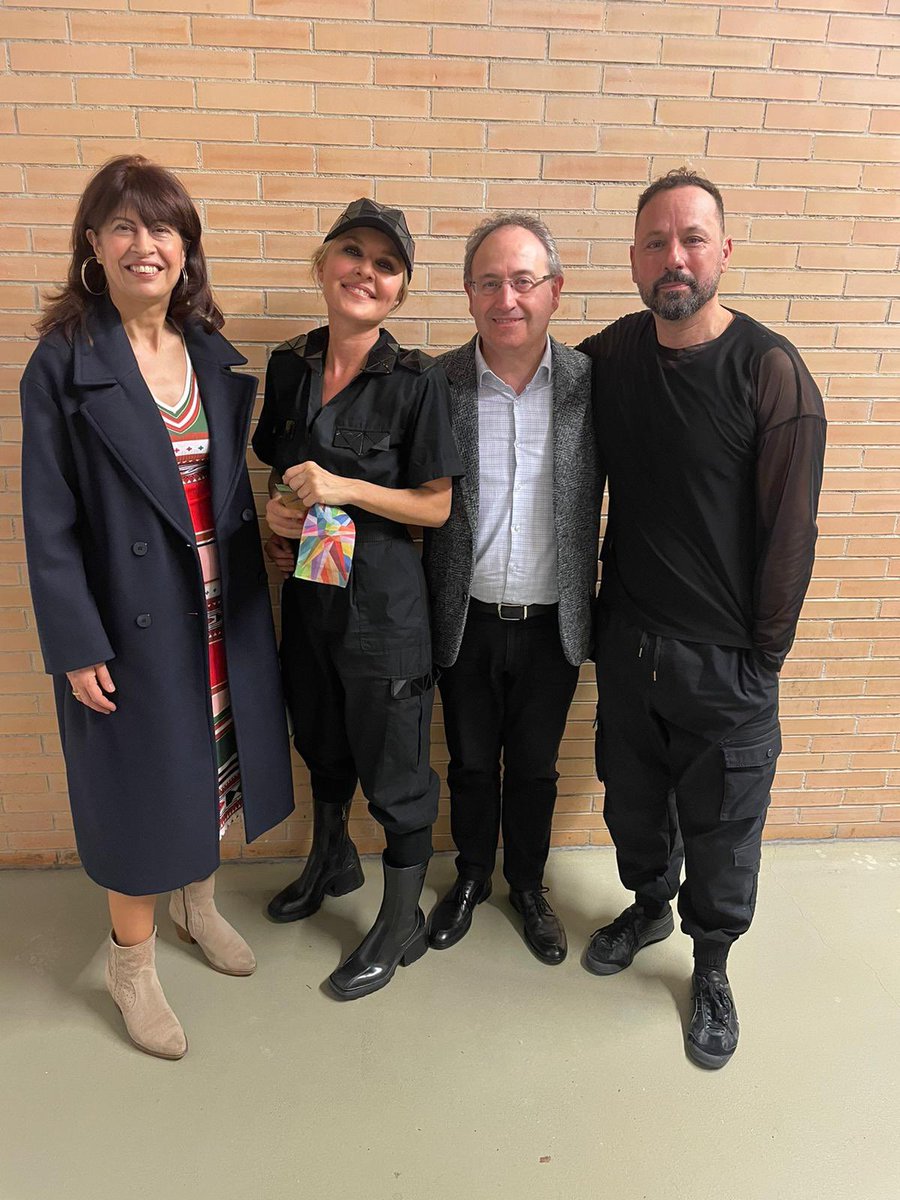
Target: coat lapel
<point>119,407</point>
<point>459,366</point>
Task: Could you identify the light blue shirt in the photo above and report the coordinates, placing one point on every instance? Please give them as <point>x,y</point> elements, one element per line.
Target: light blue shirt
<point>515,559</point>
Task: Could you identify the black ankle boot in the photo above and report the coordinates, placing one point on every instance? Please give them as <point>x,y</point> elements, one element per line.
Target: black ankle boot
<point>332,868</point>
<point>397,938</point>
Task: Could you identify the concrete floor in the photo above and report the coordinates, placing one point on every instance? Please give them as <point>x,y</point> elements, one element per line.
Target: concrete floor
<point>478,1073</point>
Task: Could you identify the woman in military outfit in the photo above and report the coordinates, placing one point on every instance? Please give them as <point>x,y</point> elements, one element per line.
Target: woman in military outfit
<point>351,420</point>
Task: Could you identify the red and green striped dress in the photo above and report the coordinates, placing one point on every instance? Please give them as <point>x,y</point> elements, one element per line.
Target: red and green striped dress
<point>188,429</point>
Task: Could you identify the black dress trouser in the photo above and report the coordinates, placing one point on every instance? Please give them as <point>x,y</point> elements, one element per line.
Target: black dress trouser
<point>353,726</point>
<point>687,744</point>
<point>508,693</point>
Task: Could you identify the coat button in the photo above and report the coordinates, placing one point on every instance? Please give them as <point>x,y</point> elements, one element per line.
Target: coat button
<point>249,514</point>
<point>139,548</point>
<point>142,620</point>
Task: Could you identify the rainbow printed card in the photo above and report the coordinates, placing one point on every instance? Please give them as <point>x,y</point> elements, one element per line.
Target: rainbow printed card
<point>326,546</point>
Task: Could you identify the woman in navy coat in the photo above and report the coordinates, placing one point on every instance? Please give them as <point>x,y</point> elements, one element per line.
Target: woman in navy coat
<point>148,580</point>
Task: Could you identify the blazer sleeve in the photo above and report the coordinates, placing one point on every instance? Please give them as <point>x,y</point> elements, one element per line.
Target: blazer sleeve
<point>69,624</point>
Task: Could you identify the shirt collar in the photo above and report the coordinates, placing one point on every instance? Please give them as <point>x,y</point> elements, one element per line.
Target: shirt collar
<point>484,374</point>
<point>381,359</point>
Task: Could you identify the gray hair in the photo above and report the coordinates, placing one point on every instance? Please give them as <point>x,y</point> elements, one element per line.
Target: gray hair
<point>523,220</point>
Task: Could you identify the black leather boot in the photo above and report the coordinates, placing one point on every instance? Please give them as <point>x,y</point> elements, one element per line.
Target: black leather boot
<point>397,938</point>
<point>332,868</point>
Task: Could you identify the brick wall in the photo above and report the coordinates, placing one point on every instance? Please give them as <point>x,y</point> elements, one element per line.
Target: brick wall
<point>277,112</point>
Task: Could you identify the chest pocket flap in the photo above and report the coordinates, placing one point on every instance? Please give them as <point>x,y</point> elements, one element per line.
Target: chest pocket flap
<point>361,441</point>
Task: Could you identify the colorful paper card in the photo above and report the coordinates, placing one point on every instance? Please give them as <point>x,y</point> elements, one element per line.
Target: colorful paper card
<point>326,546</point>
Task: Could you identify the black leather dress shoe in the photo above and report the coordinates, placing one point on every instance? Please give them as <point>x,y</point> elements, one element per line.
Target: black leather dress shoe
<point>713,1033</point>
<point>452,918</point>
<point>612,948</point>
<point>543,929</point>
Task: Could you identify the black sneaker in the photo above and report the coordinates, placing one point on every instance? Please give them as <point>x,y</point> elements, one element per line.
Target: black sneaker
<point>712,1036</point>
<point>612,948</point>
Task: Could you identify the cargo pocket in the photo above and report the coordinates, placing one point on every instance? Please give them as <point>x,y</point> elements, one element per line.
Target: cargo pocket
<point>749,772</point>
<point>748,854</point>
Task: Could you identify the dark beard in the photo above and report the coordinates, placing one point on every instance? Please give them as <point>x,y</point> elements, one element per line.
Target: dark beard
<point>678,307</point>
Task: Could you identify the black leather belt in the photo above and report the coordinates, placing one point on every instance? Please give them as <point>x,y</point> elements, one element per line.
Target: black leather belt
<point>511,612</point>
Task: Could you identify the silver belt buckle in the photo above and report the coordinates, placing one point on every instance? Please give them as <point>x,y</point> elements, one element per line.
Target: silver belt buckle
<point>524,608</point>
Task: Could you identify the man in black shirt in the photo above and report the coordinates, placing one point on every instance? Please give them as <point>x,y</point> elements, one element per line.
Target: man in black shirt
<point>712,434</point>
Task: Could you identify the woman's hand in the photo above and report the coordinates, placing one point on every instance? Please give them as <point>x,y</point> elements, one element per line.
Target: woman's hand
<point>286,522</point>
<point>88,687</point>
<point>314,485</point>
<point>280,552</point>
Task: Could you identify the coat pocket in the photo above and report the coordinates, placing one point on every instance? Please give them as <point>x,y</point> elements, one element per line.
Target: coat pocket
<point>749,769</point>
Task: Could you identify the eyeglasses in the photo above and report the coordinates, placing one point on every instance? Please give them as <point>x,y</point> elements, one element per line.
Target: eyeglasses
<point>520,284</point>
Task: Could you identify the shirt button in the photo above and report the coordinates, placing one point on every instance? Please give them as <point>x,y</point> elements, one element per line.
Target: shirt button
<point>515,529</point>
<point>142,620</point>
<point>139,548</point>
<point>249,514</point>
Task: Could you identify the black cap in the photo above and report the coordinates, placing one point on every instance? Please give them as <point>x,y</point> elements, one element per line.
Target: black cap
<point>369,214</point>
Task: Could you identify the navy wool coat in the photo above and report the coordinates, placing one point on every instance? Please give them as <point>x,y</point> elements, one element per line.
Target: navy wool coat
<point>116,578</point>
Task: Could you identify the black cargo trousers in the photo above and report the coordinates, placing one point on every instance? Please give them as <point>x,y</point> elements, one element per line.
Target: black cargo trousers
<point>687,744</point>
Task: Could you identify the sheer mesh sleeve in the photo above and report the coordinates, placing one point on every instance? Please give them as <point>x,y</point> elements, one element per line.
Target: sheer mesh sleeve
<point>791,450</point>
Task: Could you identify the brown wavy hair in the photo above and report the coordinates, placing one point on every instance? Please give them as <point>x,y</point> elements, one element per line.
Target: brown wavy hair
<point>131,181</point>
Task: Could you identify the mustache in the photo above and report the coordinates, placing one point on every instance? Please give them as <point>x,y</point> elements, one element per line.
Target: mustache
<point>675,277</point>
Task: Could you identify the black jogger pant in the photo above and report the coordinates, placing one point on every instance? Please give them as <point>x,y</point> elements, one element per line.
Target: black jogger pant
<point>687,744</point>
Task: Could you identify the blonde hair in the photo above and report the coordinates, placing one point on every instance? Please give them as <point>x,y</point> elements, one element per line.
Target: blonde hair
<point>318,261</point>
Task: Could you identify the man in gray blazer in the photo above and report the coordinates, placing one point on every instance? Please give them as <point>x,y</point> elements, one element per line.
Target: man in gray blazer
<point>512,574</point>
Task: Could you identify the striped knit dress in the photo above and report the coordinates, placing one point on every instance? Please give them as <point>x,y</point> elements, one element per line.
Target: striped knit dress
<point>188,429</point>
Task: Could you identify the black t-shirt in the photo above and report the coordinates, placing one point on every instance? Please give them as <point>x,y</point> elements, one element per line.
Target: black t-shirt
<point>714,458</point>
<point>389,426</point>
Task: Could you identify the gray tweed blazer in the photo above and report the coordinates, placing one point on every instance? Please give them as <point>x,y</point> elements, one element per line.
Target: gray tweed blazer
<point>449,554</point>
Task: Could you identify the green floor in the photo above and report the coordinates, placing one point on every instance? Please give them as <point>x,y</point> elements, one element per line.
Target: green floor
<point>479,1073</point>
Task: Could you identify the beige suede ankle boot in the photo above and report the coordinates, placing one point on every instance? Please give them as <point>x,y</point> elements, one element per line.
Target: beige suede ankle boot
<point>197,919</point>
<point>134,985</point>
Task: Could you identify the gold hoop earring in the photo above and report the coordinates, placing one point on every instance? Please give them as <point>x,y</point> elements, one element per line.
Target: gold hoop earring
<point>84,282</point>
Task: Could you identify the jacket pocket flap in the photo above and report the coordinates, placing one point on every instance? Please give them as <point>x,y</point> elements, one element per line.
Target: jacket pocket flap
<point>361,441</point>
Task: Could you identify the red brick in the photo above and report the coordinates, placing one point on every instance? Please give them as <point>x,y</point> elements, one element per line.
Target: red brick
<point>315,68</point>
<point>76,60</point>
<point>129,28</point>
<point>254,32</point>
<point>865,31</point>
<point>197,64</point>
